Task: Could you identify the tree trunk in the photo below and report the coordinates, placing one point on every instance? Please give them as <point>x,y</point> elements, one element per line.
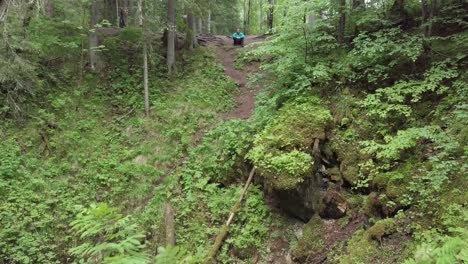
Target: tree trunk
<point>191,34</point>
<point>171,18</point>
<point>208,22</point>
<point>140,12</point>
<point>248,17</point>
<point>131,13</point>
<point>245,16</point>
<point>358,4</point>
<point>117,12</point>
<point>93,37</point>
<point>261,17</point>
<point>145,59</point>
<point>110,13</point>
<point>398,14</point>
<point>200,25</point>
<point>342,22</point>
<point>49,8</point>
<point>145,79</point>
<point>428,11</point>
<point>271,12</point>
<point>3,10</point>
<point>194,35</point>
<point>169,221</point>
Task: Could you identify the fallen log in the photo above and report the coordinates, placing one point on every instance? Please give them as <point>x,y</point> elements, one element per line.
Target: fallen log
<point>225,228</point>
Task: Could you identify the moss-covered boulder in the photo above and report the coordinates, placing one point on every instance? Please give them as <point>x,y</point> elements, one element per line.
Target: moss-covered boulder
<point>395,183</point>
<point>382,228</point>
<point>347,149</point>
<point>282,151</point>
<point>312,240</point>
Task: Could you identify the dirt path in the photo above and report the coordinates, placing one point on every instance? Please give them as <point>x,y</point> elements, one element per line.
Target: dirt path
<point>245,100</point>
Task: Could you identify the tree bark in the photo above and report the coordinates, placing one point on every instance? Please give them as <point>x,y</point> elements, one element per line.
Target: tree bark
<point>140,12</point>
<point>145,60</point>
<point>358,4</point>
<point>208,22</point>
<point>248,17</point>
<point>169,222</point>
<point>110,11</point>
<point>271,12</point>
<point>225,229</point>
<point>191,35</point>
<point>171,27</point>
<point>3,10</point>
<point>145,79</point>
<point>93,37</point>
<point>49,8</point>
<point>194,35</point>
<point>428,11</point>
<point>245,16</point>
<point>398,14</point>
<point>131,12</point>
<point>200,25</point>
<point>261,17</point>
<point>342,22</point>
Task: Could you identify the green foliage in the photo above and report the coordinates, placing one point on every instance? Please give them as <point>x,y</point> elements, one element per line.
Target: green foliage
<point>107,236</point>
<point>174,255</point>
<point>445,249</point>
<point>397,100</point>
<point>375,55</point>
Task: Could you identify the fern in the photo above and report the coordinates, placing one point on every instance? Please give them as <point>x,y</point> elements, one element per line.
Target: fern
<point>107,234</point>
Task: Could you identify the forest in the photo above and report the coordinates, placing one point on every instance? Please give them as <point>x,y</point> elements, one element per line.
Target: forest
<point>135,131</point>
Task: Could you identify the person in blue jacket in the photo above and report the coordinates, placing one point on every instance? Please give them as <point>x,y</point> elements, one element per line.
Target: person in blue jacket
<point>238,37</point>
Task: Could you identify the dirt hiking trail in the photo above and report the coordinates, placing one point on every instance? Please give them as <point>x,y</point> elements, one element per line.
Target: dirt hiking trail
<point>226,52</point>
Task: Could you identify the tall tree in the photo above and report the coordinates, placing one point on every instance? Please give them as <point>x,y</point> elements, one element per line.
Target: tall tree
<point>428,11</point>
<point>200,25</point>
<point>171,32</point>
<point>145,57</point>
<point>340,31</point>
<point>208,22</point>
<point>261,16</point>
<point>191,33</point>
<point>271,11</point>
<point>93,37</point>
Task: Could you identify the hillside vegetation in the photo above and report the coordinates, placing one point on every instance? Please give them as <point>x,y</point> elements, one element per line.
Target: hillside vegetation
<point>114,139</point>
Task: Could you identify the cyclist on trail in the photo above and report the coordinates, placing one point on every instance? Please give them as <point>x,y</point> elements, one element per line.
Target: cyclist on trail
<point>238,38</point>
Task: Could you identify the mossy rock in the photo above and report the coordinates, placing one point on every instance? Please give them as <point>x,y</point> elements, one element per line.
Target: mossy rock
<point>312,240</point>
<point>360,249</point>
<point>382,228</point>
<point>355,203</point>
<point>298,124</point>
<point>349,157</point>
<point>282,150</point>
<point>395,183</point>
<point>334,174</point>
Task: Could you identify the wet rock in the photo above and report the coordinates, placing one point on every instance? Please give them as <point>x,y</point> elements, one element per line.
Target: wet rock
<point>333,205</point>
<point>301,202</point>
